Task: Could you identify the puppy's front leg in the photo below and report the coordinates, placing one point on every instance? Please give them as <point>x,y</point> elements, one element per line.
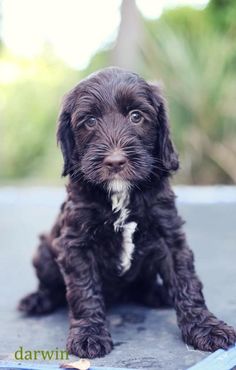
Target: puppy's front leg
<point>88,335</point>
<point>199,326</point>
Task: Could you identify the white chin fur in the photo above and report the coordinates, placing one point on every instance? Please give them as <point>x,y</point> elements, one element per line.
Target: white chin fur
<point>118,186</point>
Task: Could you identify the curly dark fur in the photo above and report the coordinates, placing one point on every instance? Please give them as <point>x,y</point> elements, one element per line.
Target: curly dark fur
<point>119,228</point>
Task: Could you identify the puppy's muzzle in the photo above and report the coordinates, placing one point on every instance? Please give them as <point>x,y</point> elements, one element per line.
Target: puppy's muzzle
<point>115,162</point>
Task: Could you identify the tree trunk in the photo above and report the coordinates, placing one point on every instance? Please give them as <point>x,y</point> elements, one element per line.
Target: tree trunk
<point>126,51</point>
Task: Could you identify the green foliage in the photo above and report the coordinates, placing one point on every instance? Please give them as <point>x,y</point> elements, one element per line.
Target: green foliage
<point>30,95</point>
<point>195,64</point>
<point>189,21</point>
<point>98,61</point>
<point>222,15</point>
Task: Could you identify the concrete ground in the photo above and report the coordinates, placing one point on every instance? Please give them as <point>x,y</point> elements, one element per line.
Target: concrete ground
<point>143,338</point>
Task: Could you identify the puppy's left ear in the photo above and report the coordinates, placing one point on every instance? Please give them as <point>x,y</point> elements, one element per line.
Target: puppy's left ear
<point>65,135</point>
<point>165,150</point>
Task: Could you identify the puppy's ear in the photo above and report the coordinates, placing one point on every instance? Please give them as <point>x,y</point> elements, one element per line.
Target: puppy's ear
<point>165,151</point>
<point>65,136</point>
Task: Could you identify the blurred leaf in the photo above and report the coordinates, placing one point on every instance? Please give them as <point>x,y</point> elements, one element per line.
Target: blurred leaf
<point>200,86</point>
<point>29,104</point>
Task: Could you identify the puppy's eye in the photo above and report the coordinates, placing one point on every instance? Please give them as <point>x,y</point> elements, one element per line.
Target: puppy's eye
<point>91,121</point>
<point>135,116</point>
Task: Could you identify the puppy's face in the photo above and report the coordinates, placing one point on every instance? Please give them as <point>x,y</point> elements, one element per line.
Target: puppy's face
<point>113,130</point>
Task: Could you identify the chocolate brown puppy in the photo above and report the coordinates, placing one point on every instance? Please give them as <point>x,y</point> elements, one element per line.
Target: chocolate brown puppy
<point>118,235</point>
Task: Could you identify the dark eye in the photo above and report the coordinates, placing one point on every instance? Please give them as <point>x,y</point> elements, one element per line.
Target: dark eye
<point>91,121</point>
<point>135,116</point>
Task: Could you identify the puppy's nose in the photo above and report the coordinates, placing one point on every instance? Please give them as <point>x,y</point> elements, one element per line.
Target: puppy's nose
<point>115,161</point>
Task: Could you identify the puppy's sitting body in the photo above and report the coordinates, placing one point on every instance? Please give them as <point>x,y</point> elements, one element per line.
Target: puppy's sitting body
<point>119,229</point>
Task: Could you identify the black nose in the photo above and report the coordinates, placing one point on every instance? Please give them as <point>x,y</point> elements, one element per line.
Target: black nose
<point>115,161</point>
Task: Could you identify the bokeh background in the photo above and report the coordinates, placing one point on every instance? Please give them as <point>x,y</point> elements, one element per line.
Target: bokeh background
<point>46,47</point>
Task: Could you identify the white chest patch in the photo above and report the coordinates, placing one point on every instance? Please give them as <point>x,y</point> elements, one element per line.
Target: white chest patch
<point>120,201</point>
<point>119,204</point>
<point>128,245</point>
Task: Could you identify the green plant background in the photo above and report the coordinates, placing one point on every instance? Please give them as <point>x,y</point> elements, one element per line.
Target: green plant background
<point>193,52</point>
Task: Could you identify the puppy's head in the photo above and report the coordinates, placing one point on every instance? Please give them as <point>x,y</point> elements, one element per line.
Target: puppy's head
<point>113,129</point>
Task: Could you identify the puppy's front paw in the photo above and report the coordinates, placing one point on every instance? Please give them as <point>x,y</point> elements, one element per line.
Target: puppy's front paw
<point>89,341</point>
<point>210,335</point>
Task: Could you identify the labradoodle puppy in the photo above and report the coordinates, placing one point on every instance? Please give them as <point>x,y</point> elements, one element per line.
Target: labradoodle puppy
<point>118,235</point>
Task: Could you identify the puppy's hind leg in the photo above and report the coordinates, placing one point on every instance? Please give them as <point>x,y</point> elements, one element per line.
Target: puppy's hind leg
<point>51,289</point>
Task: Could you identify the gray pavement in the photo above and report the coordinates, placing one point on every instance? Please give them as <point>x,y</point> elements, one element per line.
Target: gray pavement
<point>143,338</point>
